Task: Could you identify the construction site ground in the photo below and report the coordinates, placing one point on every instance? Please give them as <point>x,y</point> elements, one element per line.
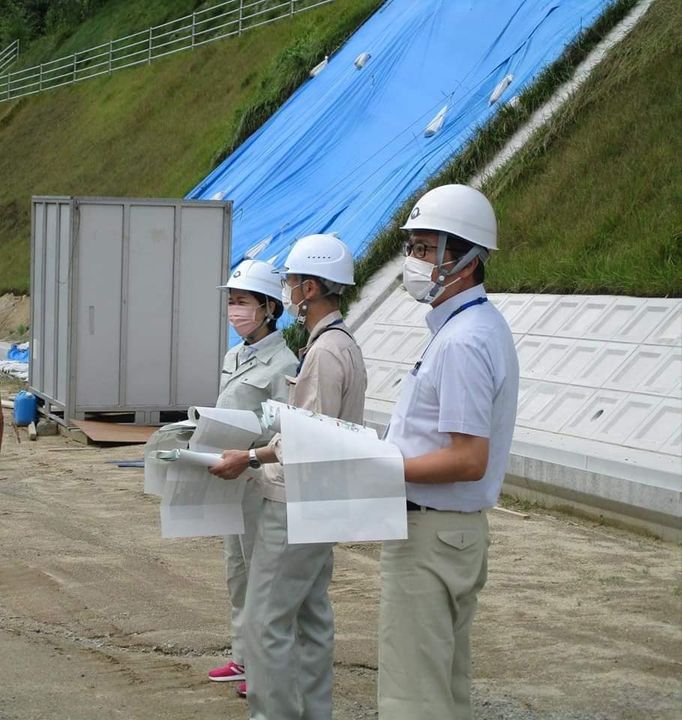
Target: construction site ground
<point>102,618</point>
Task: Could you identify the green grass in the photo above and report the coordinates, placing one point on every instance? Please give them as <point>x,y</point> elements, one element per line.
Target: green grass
<point>114,19</point>
<point>593,205</point>
<point>487,141</point>
<point>151,131</point>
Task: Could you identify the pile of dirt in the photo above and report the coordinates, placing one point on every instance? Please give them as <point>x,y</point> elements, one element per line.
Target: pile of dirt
<point>15,317</point>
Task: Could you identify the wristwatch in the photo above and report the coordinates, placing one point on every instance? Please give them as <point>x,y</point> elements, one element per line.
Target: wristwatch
<point>254,462</point>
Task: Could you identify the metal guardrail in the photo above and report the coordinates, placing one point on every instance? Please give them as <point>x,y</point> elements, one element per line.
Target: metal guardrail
<point>225,19</point>
<point>8,55</point>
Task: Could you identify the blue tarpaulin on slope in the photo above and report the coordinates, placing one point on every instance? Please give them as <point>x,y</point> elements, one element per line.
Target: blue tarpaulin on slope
<point>349,146</point>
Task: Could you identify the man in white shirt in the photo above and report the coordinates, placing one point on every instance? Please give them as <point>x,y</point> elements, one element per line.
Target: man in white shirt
<point>453,423</point>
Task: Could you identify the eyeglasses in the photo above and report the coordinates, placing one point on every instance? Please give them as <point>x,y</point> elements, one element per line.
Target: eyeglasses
<point>418,249</point>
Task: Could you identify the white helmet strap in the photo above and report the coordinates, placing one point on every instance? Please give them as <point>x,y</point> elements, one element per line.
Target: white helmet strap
<point>440,250</point>
<point>474,252</point>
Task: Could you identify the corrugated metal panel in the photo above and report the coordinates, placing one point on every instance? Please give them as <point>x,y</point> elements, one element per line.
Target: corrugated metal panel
<point>125,310</point>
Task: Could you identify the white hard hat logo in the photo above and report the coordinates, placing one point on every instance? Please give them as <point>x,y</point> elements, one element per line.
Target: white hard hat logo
<point>458,210</point>
<point>255,276</point>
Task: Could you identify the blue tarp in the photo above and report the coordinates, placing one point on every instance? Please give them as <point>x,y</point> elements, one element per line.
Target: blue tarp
<point>18,353</point>
<point>348,147</point>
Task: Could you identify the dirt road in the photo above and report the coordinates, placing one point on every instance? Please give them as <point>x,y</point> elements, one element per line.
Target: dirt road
<point>101,618</point>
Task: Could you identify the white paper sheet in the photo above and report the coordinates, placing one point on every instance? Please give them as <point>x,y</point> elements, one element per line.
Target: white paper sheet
<point>169,437</point>
<point>271,410</point>
<point>342,483</point>
<point>194,502</point>
<point>220,429</point>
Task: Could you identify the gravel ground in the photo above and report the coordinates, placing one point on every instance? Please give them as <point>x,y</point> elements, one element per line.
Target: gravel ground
<point>101,618</point>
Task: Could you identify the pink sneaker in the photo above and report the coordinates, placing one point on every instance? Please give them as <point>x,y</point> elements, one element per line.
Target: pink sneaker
<point>227,673</point>
<point>241,689</point>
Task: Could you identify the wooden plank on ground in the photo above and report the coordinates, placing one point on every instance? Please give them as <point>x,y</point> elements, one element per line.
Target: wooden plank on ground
<point>522,515</point>
<point>111,432</point>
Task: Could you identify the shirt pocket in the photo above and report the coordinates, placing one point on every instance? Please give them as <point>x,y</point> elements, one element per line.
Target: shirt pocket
<point>246,392</point>
<point>259,383</point>
<point>408,391</point>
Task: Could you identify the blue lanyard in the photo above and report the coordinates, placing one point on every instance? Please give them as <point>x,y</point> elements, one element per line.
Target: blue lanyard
<point>460,309</point>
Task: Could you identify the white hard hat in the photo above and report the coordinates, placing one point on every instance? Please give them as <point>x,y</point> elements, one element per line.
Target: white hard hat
<point>255,276</point>
<point>457,210</point>
<point>322,256</point>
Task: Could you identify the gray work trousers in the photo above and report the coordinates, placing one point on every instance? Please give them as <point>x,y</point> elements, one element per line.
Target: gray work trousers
<point>429,588</point>
<point>238,550</point>
<point>289,627</point>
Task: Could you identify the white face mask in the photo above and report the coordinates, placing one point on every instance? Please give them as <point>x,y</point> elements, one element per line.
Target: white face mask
<point>417,280</point>
<point>291,307</point>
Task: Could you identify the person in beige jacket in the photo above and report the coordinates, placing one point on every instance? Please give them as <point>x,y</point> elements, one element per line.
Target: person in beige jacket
<point>289,623</point>
<point>253,372</point>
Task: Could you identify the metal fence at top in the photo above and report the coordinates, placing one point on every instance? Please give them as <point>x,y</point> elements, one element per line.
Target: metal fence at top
<point>222,20</point>
<point>8,55</point>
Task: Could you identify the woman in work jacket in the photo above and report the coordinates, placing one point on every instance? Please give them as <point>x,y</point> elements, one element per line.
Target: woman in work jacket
<point>253,372</point>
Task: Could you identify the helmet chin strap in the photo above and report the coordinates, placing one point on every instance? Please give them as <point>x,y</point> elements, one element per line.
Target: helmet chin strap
<point>443,274</point>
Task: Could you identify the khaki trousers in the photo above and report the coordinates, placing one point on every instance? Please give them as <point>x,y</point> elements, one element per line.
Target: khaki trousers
<point>237,551</point>
<point>289,628</point>
<point>430,584</point>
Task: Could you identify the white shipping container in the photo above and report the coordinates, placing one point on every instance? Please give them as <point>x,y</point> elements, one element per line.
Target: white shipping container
<point>125,314</point>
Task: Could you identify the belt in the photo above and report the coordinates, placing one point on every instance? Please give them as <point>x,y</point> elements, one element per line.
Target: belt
<point>413,506</point>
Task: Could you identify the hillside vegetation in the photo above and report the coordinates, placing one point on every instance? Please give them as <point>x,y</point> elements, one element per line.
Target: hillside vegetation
<point>594,203</point>
<point>151,131</point>
<point>55,28</point>
<point>592,206</point>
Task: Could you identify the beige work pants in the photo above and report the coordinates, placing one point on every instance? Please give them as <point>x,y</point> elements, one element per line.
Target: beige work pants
<point>238,550</point>
<point>429,586</point>
<point>289,628</point>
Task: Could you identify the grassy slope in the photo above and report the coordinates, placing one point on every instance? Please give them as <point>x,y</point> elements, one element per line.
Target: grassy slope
<point>116,18</point>
<point>149,131</point>
<point>595,206</point>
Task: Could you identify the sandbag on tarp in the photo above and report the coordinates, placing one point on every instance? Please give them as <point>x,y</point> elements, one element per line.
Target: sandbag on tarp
<point>352,143</point>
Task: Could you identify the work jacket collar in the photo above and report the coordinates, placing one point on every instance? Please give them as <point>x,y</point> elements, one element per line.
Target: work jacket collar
<point>264,349</point>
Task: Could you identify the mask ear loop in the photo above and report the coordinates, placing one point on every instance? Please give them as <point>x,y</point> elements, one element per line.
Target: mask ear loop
<point>268,315</point>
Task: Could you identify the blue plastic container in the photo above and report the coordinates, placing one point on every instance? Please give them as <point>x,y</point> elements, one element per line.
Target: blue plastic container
<point>25,408</point>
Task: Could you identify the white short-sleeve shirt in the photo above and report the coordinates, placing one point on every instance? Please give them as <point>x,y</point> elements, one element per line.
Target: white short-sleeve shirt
<point>466,382</point>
